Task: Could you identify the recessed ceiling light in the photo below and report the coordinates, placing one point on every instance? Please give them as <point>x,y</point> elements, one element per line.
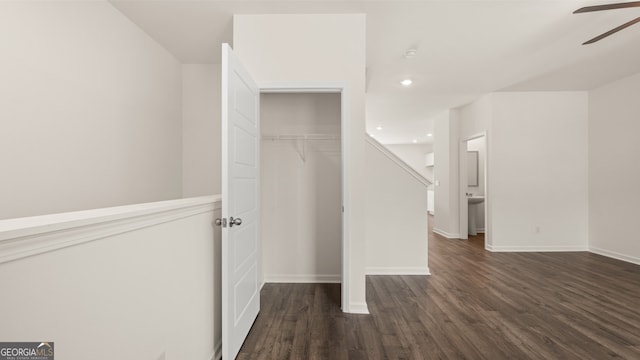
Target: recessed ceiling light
<point>406,82</point>
<point>429,134</point>
<point>378,127</point>
<point>371,135</point>
<point>415,141</point>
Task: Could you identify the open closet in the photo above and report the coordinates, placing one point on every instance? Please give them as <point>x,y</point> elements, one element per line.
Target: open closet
<point>301,187</point>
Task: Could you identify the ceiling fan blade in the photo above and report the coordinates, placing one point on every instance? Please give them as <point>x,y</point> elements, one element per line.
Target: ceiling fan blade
<point>613,31</point>
<point>608,7</point>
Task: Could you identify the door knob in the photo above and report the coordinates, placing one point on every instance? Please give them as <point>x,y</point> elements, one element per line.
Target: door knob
<point>234,221</point>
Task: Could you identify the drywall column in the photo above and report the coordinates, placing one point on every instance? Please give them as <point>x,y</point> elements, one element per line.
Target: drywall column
<point>319,48</point>
<point>446,149</point>
<point>614,169</point>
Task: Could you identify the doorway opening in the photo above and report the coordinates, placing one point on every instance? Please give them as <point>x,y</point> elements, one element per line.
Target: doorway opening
<point>474,194</point>
<point>302,187</point>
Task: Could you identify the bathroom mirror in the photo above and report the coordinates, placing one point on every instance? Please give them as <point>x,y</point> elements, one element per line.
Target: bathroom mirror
<point>472,168</point>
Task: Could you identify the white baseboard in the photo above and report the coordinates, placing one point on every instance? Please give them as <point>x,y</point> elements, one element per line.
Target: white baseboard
<point>217,355</point>
<point>358,308</point>
<point>446,234</point>
<point>302,278</point>
<point>551,248</point>
<point>373,270</point>
<point>615,255</point>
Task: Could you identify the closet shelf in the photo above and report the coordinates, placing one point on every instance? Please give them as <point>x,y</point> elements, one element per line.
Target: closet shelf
<point>301,137</point>
<point>301,141</point>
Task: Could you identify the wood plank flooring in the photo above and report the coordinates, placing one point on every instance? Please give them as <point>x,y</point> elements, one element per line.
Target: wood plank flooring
<point>475,305</point>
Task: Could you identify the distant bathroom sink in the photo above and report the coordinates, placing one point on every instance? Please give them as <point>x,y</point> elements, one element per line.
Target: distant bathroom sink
<point>475,200</point>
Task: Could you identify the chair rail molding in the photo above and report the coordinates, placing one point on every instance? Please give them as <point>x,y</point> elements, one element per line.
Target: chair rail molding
<point>24,237</point>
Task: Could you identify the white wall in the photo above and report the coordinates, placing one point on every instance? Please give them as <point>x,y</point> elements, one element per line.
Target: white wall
<point>315,52</point>
<point>301,189</point>
<point>538,171</point>
<point>396,226</point>
<point>446,149</point>
<point>142,289</point>
<point>413,155</point>
<point>614,169</point>
<point>90,109</point>
<point>476,117</point>
<point>201,130</point>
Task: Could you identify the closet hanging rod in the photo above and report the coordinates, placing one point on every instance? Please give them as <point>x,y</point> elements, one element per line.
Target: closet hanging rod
<point>301,137</point>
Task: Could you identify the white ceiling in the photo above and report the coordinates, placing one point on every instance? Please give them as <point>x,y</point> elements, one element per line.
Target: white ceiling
<point>465,48</point>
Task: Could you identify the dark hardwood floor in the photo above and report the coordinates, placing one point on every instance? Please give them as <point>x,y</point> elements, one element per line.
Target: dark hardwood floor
<point>475,305</point>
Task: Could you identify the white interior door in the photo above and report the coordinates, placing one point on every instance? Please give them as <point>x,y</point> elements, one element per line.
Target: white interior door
<point>240,203</point>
